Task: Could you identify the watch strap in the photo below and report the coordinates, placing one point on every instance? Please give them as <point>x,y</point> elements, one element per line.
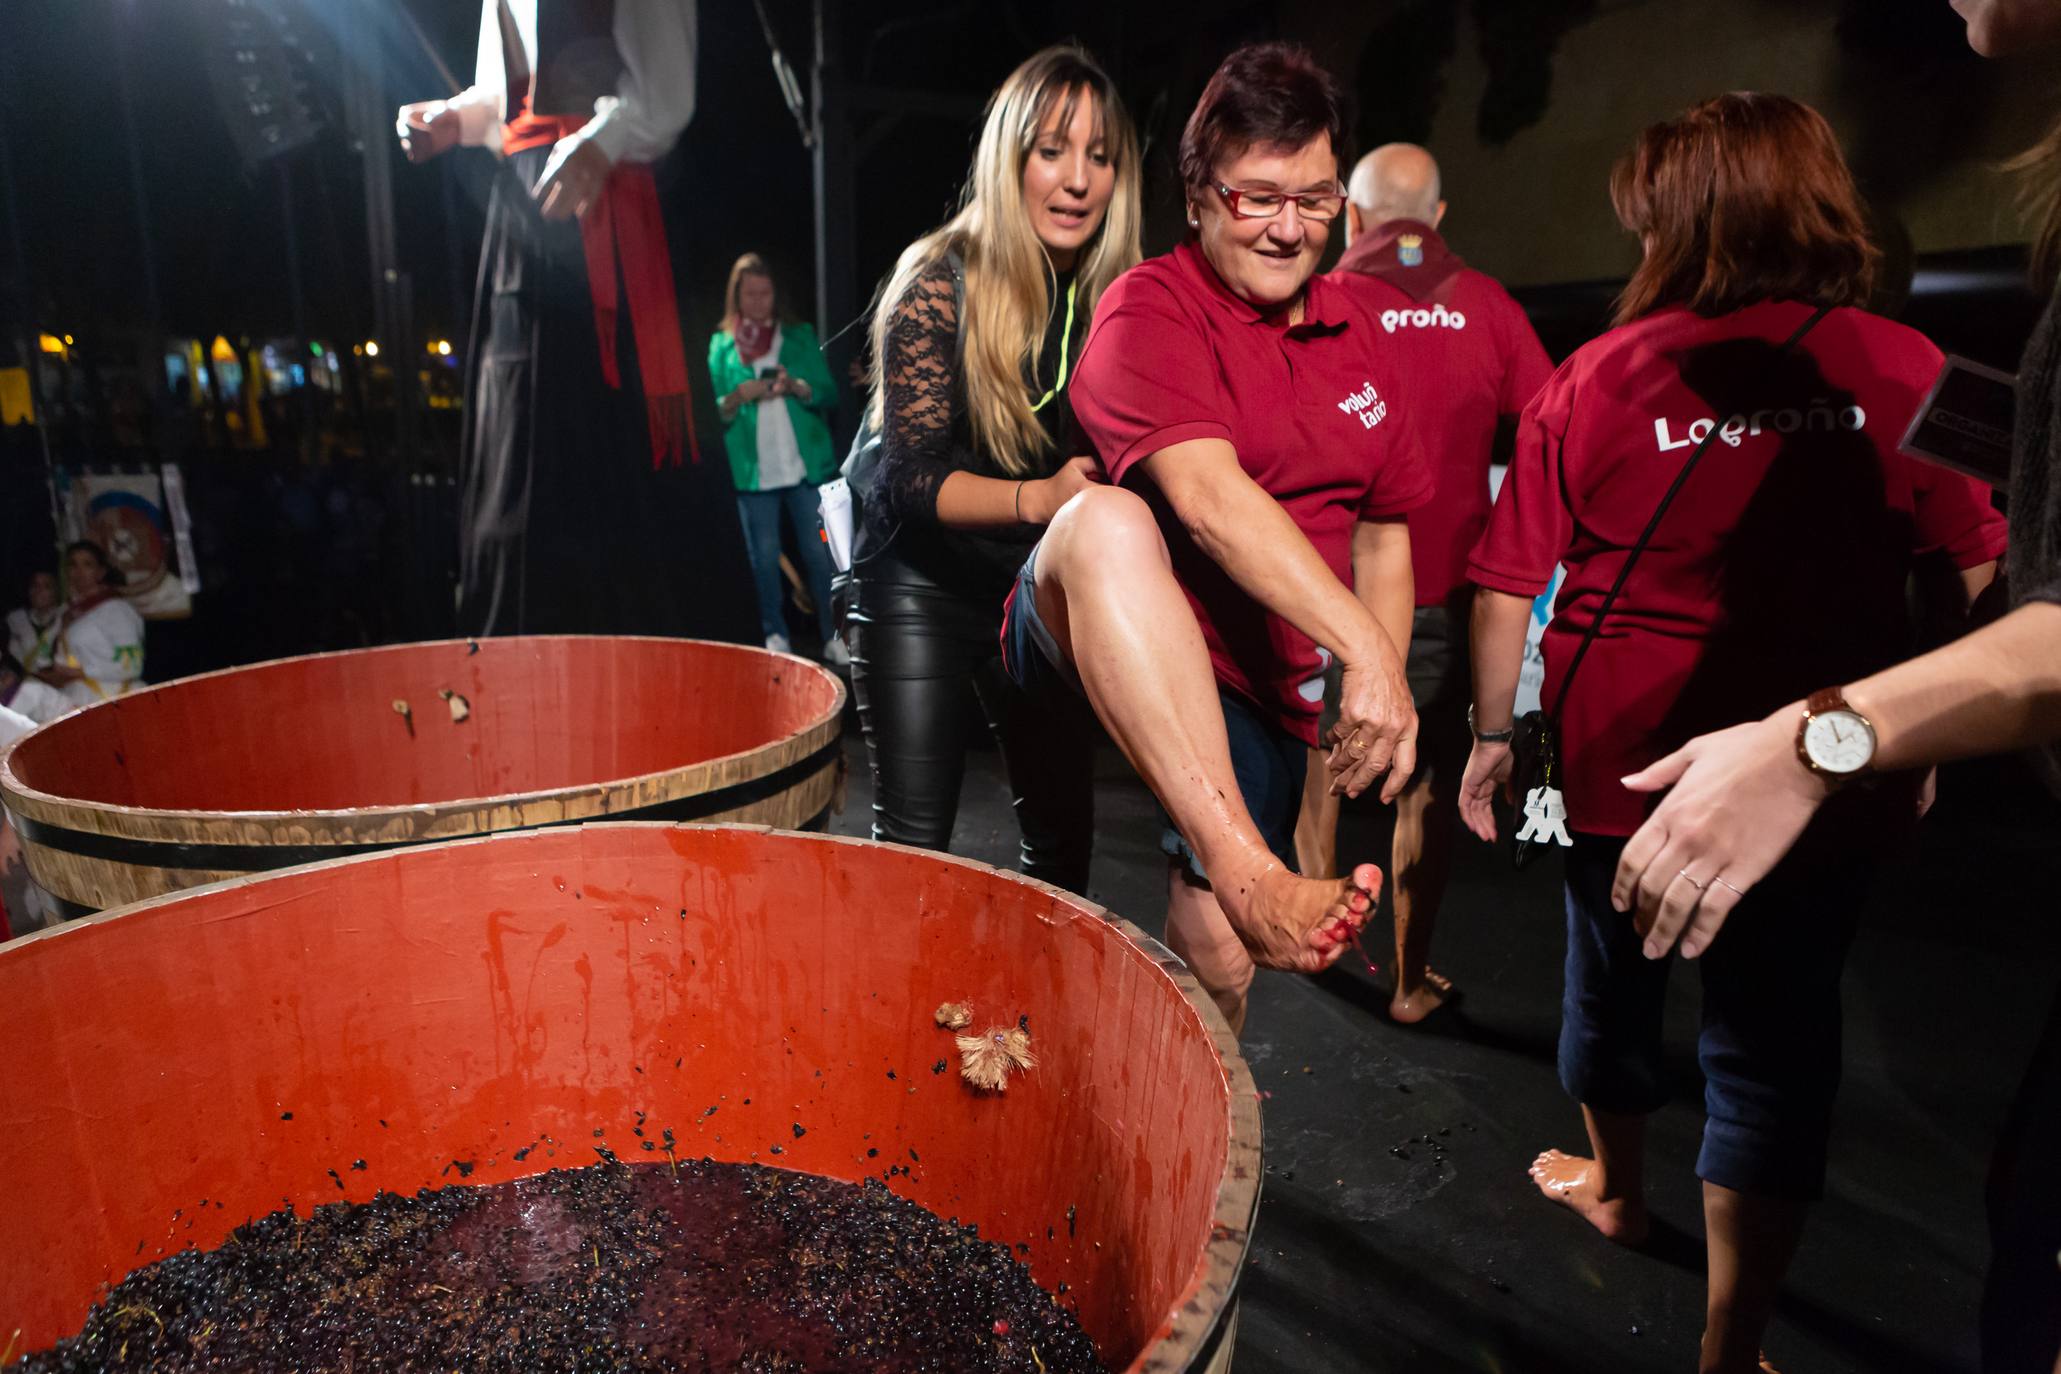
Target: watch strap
<point>1826,699</point>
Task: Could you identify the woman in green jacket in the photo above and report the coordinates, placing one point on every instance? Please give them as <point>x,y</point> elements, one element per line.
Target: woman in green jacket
<point>775,389</point>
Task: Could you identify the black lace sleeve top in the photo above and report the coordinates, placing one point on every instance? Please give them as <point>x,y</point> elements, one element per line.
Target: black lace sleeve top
<point>926,437</point>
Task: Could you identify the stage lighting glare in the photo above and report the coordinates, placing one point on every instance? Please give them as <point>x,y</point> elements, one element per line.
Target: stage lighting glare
<point>443,348</point>
<point>50,343</point>
<point>67,341</point>
<point>371,348</point>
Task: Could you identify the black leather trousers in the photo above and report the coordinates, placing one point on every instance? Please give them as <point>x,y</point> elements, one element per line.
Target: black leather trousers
<point>917,647</point>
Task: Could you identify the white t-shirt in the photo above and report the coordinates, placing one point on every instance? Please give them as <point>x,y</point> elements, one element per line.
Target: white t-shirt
<point>39,701</point>
<point>30,646</point>
<point>780,460</point>
<point>106,644</point>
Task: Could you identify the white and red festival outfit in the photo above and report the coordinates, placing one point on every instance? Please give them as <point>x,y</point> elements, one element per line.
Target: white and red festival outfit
<point>30,636</point>
<point>102,637</point>
<point>36,701</point>
<point>586,506</point>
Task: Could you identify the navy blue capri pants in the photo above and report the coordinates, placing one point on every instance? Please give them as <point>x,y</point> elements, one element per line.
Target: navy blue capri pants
<point>1769,1046</point>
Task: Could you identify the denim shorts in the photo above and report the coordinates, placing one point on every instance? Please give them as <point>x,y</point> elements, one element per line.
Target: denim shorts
<point>1268,762</point>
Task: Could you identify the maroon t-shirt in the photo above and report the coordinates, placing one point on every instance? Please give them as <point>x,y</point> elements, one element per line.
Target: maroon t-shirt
<point>1466,357</point>
<point>1781,566</point>
<point>1172,356</point>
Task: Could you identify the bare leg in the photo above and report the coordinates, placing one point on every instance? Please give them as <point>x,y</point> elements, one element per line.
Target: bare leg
<point>1106,590</point>
<point>1316,825</point>
<point>1421,861</point>
<point>1609,1190</point>
<point>1752,1239</point>
<point>1198,931</point>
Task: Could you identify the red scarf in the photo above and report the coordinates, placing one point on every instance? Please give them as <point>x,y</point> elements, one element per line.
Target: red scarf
<point>623,227</point>
<point>79,609</point>
<point>754,337</point>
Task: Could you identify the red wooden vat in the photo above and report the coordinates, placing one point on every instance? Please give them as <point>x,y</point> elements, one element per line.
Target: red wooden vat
<point>311,758</point>
<point>189,1062</point>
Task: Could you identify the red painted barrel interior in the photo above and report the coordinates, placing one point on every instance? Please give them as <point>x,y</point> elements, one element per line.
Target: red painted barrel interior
<point>320,733</point>
<point>188,1063</point>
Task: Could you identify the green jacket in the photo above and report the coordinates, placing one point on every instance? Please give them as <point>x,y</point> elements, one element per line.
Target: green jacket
<point>803,359</point>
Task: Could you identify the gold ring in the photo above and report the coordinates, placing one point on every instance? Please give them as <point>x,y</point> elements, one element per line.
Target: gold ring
<point>1684,876</point>
<point>1354,747</point>
<point>1728,887</point>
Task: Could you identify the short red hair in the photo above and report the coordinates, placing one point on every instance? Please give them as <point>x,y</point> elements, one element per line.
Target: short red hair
<point>1743,198</point>
<point>1265,95</point>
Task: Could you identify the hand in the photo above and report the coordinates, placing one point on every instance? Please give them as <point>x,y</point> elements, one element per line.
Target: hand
<point>1043,498</point>
<point>571,183</point>
<point>427,129</point>
<point>1928,792</point>
<point>757,389</point>
<point>1488,772</point>
<point>795,387</point>
<point>60,675</point>
<point>1740,799</point>
<point>1377,726</point>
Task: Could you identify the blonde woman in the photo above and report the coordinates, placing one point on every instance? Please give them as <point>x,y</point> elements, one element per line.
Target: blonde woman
<point>773,390</point>
<point>974,343</point>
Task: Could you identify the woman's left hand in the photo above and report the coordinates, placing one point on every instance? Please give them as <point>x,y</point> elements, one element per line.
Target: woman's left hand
<point>797,388</point>
<point>59,675</point>
<point>1740,798</point>
<point>1488,772</point>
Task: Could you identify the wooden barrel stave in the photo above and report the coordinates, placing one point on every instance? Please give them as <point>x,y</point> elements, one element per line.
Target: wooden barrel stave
<point>108,845</point>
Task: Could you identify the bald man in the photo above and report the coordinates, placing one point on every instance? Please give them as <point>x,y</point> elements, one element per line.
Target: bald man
<point>1466,361</point>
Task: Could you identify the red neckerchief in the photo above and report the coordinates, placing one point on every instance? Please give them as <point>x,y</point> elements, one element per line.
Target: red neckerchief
<point>1406,253</point>
<point>754,339</point>
<point>78,609</point>
<point>624,228</point>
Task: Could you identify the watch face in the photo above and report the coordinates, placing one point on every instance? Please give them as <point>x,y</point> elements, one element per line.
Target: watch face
<point>1839,741</point>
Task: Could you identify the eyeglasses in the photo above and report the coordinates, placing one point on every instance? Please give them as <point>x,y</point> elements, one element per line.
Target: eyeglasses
<point>1315,205</point>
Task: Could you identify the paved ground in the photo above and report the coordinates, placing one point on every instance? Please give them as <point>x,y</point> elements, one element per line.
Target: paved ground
<point>1369,1260</point>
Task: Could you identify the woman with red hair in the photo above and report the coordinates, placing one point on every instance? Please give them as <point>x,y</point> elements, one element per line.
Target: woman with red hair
<point>1720,476</point>
<point>1261,469</point>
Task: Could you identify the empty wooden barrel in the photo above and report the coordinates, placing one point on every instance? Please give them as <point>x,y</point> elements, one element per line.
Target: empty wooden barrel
<point>313,758</point>
<point>493,1008</point>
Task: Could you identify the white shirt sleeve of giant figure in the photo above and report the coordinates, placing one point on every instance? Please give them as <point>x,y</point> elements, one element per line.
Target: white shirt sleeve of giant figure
<point>654,99</point>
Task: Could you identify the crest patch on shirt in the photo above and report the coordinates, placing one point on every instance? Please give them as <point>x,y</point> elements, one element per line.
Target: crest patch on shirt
<point>1409,250</point>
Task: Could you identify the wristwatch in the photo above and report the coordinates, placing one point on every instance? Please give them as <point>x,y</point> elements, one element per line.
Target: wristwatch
<point>1833,740</point>
<point>1503,736</point>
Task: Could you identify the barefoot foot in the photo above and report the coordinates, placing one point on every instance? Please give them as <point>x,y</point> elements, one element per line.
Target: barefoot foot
<point>1571,1181</point>
<point>1410,1006</point>
<point>1302,924</point>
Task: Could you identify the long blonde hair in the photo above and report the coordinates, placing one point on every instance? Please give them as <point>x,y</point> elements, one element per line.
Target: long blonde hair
<point>1009,279</point>
<point>2039,200</point>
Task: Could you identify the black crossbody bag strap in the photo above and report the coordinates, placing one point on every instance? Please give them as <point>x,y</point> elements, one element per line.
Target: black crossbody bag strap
<point>1653,525</point>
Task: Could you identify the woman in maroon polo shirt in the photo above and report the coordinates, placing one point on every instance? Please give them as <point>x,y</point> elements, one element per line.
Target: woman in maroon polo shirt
<point>1781,566</point>
<point>1261,472</point>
